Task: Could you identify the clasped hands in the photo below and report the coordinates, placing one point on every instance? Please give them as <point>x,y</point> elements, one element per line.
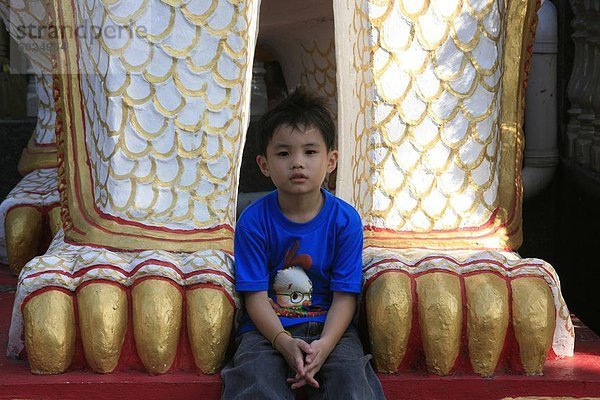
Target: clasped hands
<point>306,359</point>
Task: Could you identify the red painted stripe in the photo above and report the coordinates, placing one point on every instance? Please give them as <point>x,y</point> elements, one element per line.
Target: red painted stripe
<point>117,250</point>
<point>461,264</point>
<point>213,286</point>
<point>38,193</point>
<point>470,248</point>
<point>103,281</point>
<point>42,209</point>
<point>160,278</point>
<point>487,224</point>
<point>155,262</point>
<point>44,290</point>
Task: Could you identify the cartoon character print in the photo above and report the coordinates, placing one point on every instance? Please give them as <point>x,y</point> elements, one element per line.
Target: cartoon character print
<point>293,288</point>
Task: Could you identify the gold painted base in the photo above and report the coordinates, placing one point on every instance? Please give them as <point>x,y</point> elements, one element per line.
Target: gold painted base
<point>102,323</point>
<point>210,321</point>
<point>104,318</point>
<point>23,227</point>
<point>157,307</point>
<point>54,220</point>
<point>36,157</point>
<point>441,304</point>
<point>49,327</point>
<point>440,317</point>
<point>487,320</point>
<point>389,318</point>
<point>534,320</point>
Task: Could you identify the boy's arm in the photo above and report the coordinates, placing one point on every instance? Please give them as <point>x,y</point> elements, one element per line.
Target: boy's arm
<point>345,284</point>
<point>339,316</point>
<point>268,324</point>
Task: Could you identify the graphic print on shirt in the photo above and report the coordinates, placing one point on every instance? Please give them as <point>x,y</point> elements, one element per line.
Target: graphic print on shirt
<point>293,288</point>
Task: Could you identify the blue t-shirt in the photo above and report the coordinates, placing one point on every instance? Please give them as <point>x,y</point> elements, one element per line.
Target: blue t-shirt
<point>298,264</point>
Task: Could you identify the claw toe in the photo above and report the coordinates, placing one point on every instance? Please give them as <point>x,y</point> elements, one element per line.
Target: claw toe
<point>534,320</point>
<point>440,317</point>
<point>389,317</point>
<point>49,320</point>
<point>210,319</point>
<point>102,322</point>
<point>157,306</point>
<point>487,320</point>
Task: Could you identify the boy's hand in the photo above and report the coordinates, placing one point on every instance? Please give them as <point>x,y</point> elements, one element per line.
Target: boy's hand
<point>293,350</point>
<point>312,364</point>
<point>314,361</point>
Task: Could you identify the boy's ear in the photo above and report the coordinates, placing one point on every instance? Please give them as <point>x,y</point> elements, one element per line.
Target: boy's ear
<point>332,158</point>
<point>263,165</point>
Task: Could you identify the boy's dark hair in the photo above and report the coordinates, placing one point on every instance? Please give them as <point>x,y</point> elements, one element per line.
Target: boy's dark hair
<point>300,110</point>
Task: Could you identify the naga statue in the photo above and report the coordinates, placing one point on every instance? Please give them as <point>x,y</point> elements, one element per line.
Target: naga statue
<point>31,209</point>
<point>152,107</point>
<point>430,116</point>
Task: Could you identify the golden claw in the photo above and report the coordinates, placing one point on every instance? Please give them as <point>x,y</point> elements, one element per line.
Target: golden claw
<point>23,227</point>
<point>487,320</point>
<point>49,325</point>
<point>389,318</point>
<point>441,304</point>
<point>534,320</point>
<point>102,324</point>
<point>210,321</point>
<point>157,307</point>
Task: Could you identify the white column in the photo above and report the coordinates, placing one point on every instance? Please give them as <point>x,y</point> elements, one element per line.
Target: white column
<point>576,81</point>
<point>541,151</point>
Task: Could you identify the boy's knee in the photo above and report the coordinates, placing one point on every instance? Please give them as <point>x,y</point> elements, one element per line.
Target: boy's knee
<point>347,368</point>
<point>351,379</point>
<point>247,382</point>
<point>255,375</point>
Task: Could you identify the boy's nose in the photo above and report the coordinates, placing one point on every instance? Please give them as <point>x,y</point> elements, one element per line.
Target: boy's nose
<point>297,163</point>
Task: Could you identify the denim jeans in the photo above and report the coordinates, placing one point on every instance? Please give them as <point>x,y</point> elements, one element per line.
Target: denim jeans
<point>257,371</point>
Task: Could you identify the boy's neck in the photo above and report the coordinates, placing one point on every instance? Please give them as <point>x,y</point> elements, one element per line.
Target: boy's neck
<point>301,208</point>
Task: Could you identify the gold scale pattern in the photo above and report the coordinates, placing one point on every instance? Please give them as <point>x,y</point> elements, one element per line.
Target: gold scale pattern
<point>427,132</point>
<point>165,108</point>
<point>318,73</point>
<point>318,70</point>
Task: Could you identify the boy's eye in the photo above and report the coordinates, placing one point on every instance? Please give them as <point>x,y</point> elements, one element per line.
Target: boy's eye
<point>311,152</point>
<point>282,154</point>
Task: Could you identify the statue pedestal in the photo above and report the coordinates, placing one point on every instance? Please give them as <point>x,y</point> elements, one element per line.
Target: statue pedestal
<point>575,377</point>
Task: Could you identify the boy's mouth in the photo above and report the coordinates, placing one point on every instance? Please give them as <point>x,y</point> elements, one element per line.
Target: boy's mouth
<point>298,177</point>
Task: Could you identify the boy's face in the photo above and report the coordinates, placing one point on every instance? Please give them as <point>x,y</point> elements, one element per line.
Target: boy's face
<point>297,160</point>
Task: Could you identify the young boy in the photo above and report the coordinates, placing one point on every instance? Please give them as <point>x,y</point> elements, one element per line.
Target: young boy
<point>298,255</point>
